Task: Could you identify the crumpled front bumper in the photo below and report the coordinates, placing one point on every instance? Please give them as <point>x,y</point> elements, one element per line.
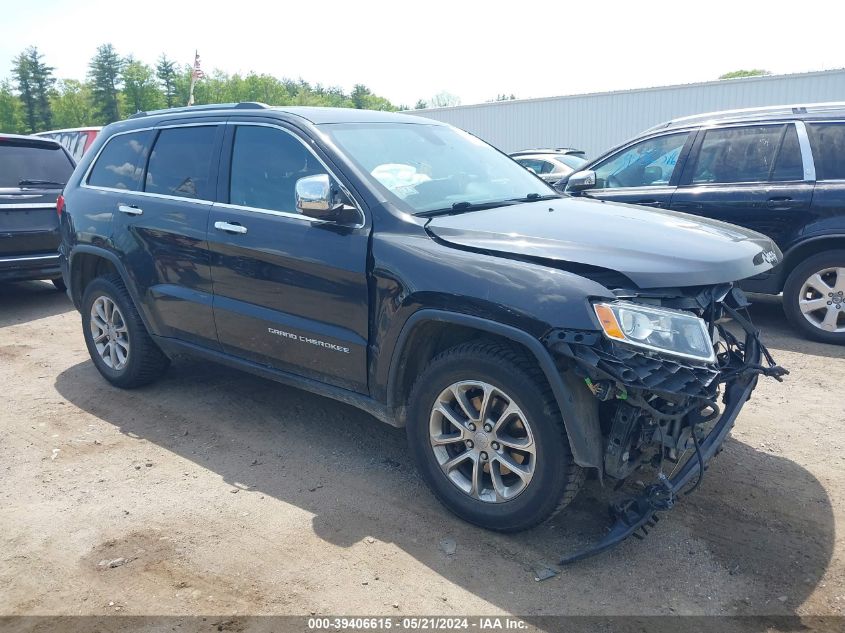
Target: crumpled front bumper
<point>617,373</point>
<point>640,512</point>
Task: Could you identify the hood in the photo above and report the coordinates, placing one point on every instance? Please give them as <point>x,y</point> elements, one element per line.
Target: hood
<point>654,248</point>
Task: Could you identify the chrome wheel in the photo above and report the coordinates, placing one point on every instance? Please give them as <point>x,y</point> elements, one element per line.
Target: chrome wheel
<point>482,441</point>
<point>822,299</point>
<point>109,333</point>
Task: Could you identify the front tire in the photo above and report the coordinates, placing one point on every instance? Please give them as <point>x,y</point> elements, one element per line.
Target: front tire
<point>59,283</point>
<point>814,297</point>
<point>487,437</point>
<point>118,342</point>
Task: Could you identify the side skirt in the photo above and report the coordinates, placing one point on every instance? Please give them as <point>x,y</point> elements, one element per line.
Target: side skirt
<point>172,347</point>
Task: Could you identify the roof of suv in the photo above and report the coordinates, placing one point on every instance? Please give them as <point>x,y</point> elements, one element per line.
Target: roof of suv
<point>797,111</point>
<point>313,114</point>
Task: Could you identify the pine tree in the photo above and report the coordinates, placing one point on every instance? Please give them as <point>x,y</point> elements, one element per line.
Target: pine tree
<point>35,83</point>
<point>104,74</point>
<point>166,73</point>
<point>22,72</point>
<point>44,84</point>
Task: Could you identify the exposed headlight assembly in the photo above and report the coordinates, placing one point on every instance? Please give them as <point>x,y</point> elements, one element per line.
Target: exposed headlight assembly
<point>661,330</point>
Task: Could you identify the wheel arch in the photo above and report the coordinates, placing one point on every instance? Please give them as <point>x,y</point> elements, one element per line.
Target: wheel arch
<point>807,248</point>
<point>87,262</point>
<point>429,331</point>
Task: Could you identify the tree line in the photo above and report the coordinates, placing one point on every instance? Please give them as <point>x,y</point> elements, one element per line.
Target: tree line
<point>35,100</point>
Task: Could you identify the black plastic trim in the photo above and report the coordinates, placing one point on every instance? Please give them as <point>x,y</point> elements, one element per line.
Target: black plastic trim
<point>173,347</point>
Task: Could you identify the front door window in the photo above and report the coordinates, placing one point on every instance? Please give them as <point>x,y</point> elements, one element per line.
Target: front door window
<point>646,164</point>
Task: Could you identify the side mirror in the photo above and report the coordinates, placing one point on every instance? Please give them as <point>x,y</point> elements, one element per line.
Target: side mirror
<point>652,174</point>
<point>318,199</point>
<point>581,180</point>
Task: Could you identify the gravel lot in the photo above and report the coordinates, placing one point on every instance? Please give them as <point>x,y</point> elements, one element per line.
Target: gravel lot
<point>228,494</point>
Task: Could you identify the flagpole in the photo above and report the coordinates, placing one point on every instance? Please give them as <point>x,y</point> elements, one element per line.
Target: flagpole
<point>193,79</point>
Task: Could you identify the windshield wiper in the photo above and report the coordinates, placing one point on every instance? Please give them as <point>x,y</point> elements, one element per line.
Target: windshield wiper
<point>37,183</point>
<point>465,205</point>
<point>533,197</point>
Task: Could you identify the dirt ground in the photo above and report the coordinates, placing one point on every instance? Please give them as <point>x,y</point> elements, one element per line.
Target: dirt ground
<point>229,494</point>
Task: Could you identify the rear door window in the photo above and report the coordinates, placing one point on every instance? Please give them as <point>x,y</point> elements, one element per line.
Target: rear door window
<point>181,161</point>
<point>121,163</point>
<point>25,160</point>
<point>737,154</point>
<point>828,141</point>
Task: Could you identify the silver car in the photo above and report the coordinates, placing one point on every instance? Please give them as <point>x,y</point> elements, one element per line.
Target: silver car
<point>551,164</point>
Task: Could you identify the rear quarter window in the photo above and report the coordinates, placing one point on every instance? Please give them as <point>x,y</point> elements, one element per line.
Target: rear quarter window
<point>828,141</point>
<point>121,163</point>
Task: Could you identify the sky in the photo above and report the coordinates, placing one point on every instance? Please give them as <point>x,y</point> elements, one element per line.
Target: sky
<point>407,51</point>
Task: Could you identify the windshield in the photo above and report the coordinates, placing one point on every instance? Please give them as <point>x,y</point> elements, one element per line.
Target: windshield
<point>434,167</point>
<point>22,161</point>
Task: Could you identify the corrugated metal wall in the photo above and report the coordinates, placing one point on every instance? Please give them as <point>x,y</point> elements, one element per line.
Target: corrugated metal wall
<point>596,122</point>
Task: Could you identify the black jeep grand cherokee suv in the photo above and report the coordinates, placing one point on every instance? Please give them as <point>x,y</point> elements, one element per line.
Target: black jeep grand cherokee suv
<point>407,268</point>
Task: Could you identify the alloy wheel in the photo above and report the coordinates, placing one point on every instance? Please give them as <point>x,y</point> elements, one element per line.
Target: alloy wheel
<point>109,333</point>
<point>482,441</point>
<point>822,299</point>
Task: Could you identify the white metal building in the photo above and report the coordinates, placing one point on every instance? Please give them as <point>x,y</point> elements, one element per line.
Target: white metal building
<point>596,122</point>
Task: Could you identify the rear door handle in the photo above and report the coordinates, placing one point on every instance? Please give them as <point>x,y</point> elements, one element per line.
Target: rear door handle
<point>129,209</point>
<point>228,227</point>
<point>779,202</point>
<point>648,203</point>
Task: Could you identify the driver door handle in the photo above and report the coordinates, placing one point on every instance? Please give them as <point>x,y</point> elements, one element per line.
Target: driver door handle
<point>228,227</point>
<point>129,209</point>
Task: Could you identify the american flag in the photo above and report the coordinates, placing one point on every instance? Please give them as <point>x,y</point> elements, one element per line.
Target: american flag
<point>197,72</point>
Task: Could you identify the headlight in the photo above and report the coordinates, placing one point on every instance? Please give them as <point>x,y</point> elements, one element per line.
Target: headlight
<point>659,329</point>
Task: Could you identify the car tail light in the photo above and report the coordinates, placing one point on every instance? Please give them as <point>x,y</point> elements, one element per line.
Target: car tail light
<point>60,205</point>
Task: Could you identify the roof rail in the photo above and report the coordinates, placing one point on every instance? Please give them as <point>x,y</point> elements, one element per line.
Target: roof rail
<point>243,105</point>
<point>251,105</point>
<point>786,110</point>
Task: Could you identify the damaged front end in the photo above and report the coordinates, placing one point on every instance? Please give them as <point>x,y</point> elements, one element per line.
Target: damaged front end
<point>670,379</point>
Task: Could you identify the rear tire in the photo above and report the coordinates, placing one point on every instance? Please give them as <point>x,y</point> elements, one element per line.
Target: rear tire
<point>118,342</point>
<point>522,412</point>
<point>810,286</point>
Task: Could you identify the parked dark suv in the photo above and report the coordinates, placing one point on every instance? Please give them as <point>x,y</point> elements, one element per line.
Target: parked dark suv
<point>779,171</point>
<point>407,268</point>
<point>32,174</point>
